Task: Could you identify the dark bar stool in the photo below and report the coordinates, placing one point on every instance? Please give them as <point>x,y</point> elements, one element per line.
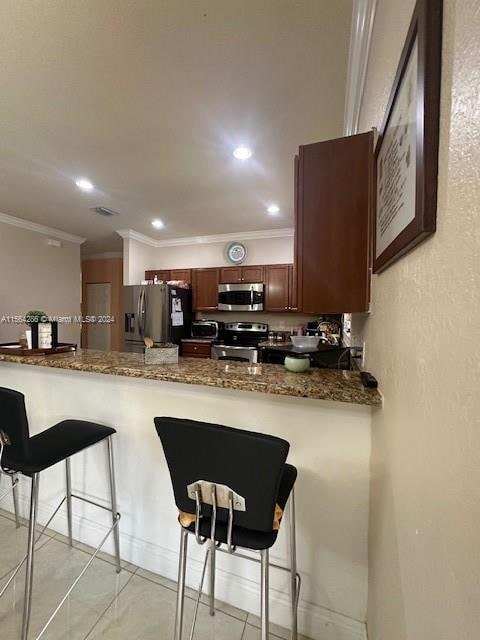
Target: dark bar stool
<point>29,456</point>
<point>231,487</point>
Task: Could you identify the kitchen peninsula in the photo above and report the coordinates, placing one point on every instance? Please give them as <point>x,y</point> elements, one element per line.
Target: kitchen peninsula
<point>324,414</point>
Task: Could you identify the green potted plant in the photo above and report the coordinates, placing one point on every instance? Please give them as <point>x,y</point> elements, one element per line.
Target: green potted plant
<point>35,316</point>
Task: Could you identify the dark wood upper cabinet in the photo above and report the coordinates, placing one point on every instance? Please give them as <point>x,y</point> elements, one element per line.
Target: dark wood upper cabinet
<point>181,274</point>
<point>251,273</point>
<point>333,190</point>
<point>230,274</point>
<point>162,274</point>
<point>205,289</point>
<point>277,287</point>
<point>292,288</point>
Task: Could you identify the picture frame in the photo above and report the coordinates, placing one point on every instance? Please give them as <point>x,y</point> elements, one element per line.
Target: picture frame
<point>406,153</point>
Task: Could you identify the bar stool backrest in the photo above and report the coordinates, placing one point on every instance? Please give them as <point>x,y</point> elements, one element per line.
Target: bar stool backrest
<point>14,423</point>
<point>249,463</point>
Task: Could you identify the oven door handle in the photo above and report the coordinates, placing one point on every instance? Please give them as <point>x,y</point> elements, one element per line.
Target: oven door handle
<point>234,346</point>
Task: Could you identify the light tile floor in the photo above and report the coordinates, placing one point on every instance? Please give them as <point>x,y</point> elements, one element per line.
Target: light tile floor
<point>132,605</point>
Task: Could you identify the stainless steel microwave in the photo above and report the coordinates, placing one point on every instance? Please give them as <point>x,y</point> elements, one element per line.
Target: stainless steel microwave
<point>241,297</point>
<point>207,329</point>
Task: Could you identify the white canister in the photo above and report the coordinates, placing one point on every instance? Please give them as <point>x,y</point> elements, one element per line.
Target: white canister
<point>44,335</point>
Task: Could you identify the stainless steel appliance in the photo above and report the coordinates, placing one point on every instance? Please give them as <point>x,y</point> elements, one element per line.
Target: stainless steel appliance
<point>206,329</point>
<point>159,311</point>
<point>240,341</point>
<point>241,297</point>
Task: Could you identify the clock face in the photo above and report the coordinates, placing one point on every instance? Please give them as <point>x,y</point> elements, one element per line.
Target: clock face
<point>236,252</point>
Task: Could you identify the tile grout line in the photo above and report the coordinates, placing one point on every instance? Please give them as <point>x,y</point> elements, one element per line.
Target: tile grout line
<point>230,615</point>
<point>110,603</point>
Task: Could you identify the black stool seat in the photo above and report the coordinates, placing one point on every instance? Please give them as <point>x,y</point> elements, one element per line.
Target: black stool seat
<point>55,444</point>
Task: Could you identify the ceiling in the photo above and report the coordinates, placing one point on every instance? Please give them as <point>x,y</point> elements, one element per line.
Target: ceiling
<point>147,99</point>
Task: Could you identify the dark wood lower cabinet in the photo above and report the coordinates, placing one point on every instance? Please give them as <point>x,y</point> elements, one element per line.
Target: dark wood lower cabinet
<point>196,349</point>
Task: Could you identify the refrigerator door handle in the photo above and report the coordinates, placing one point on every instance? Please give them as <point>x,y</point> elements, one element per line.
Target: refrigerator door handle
<point>141,312</point>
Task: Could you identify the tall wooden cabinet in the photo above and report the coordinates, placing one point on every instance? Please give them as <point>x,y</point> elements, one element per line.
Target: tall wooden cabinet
<point>280,288</point>
<point>333,191</point>
<point>205,289</point>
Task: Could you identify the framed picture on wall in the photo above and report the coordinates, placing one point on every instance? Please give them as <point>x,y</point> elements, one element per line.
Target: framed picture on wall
<point>406,154</point>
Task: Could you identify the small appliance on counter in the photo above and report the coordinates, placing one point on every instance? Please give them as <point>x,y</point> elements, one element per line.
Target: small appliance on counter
<point>207,329</point>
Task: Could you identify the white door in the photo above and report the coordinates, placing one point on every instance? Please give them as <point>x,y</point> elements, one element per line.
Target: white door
<point>98,305</point>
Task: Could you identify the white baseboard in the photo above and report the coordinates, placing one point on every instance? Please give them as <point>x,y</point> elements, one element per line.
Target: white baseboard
<point>314,621</point>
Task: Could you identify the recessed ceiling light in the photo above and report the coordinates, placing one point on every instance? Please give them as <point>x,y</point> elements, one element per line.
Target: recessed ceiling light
<point>84,184</point>
<point>242,152</point>
<point>273,209</point>
<point>158,224</point>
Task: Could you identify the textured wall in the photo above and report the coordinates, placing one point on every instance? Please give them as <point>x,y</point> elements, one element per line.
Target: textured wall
<point>36,276</point>
<point>422,343</point>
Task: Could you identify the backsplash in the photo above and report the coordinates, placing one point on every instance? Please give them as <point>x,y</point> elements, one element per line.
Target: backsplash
<point>275,321</point>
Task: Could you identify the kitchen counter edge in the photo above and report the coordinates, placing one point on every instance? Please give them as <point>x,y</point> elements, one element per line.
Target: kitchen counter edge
<point>319,384</point>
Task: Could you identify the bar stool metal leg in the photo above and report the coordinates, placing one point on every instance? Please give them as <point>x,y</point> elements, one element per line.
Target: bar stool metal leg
<point>27,605</point>
<point>293,565</point>
<point>14,477</point>
<point>113,496</point>
<point>264,594</point>
<point>212,577</point>
<point>182,565</point>
<point>68,477</point>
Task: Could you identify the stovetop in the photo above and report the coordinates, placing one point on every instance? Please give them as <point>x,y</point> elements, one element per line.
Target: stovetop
<point>245,334</point>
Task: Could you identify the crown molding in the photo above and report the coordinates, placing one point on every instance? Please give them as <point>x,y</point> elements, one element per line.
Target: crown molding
<point>193,240</point>
<point>363,15</point>
<point>130,234</point>
<point>40,228</point>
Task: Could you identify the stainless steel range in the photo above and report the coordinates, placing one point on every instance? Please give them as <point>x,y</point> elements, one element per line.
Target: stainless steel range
<point>240,341</point>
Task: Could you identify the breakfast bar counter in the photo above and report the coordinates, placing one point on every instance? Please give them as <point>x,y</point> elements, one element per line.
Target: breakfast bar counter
<point>320,384</point>
<point>325,415</point>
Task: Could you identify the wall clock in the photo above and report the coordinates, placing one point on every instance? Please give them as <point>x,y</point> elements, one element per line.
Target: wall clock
<point>235,252</point>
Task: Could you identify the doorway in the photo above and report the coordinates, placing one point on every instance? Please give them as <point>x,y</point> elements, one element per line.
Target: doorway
<point>99,297</point>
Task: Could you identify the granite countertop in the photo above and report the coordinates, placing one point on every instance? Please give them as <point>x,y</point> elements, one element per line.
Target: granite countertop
<point>322,384</point>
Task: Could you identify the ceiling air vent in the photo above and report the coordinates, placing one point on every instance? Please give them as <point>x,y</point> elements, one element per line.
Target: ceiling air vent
<point>104,211</point>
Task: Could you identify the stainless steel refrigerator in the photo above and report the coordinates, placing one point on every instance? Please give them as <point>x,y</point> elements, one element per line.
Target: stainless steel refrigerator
<point>159,311</point>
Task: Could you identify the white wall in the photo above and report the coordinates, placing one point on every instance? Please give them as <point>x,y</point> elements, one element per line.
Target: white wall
<point>34,275</point>
<point>422,345</point>
<point>139,257</point>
